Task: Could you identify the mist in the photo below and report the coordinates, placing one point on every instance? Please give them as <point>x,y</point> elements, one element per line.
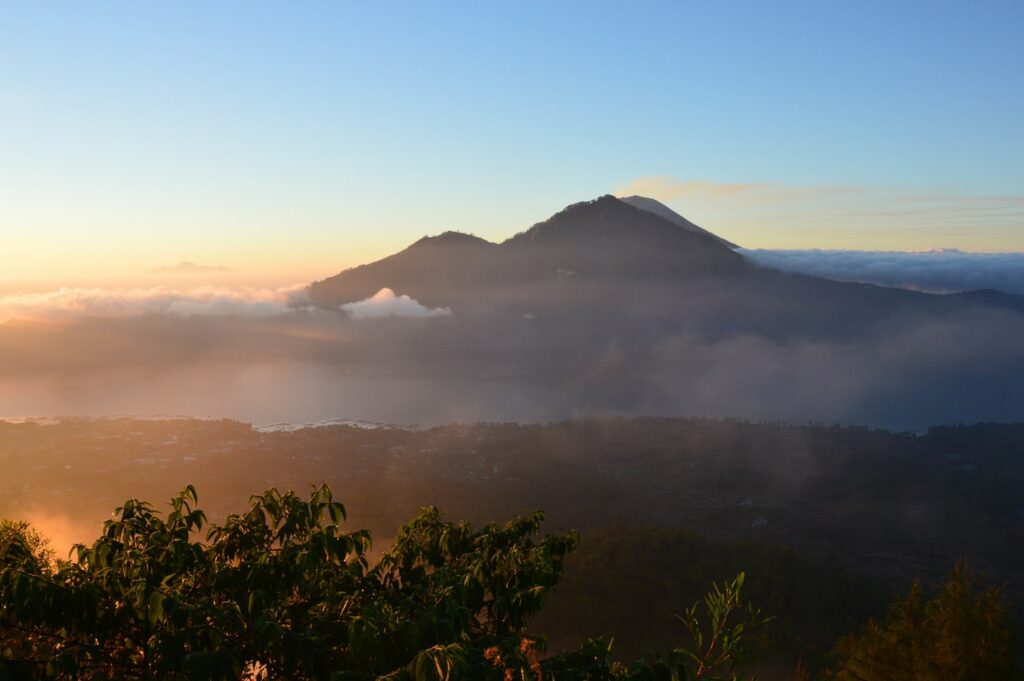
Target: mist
<point>71,303</point>
<point>263,357</point>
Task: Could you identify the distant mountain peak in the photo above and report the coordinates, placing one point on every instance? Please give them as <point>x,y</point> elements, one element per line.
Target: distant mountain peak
<point>451,238</point>
<point>661,210</point>
<point>638,221</point>
<point>581,220</point>
<point>187,267</point>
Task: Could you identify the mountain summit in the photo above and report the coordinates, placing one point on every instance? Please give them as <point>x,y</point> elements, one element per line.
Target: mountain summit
<point>451,238</point>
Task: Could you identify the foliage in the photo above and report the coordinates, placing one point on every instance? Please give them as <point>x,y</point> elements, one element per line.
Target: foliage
<point>718,647</point>
<point>962,634</point>
<point>22,544</point>
<point>21,548</point>
<point>718,650</point>
<point>625,583</point>
<point>282,592</point>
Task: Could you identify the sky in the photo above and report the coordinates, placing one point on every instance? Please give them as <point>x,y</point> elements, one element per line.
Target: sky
<point>286,141</point>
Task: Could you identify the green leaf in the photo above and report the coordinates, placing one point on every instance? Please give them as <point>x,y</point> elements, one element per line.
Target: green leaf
<point>156,608</point>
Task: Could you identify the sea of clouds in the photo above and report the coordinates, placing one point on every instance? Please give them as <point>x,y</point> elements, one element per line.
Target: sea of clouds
<point>937,271</point>
<point>70,303</point>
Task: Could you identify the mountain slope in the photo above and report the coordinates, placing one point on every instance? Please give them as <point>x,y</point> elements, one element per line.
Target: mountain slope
<point>661,210</point>
<point>433,267</point>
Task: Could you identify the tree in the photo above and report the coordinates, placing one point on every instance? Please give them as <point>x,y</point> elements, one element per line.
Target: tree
<point>718,650</point>
<point>22,544</point>
<point>962,634</point>
<point>24,549</point>
<point>282,592</point>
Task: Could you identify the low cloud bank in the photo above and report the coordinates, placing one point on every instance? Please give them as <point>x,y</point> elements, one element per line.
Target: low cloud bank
<point>939,271</point>
<point>76,303</point>
<point>385,303</point>
<point>71,304</point>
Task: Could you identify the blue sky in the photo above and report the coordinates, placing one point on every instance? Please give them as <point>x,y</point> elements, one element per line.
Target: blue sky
<point>295,139</point>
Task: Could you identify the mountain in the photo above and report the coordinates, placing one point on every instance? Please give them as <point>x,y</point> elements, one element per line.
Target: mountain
<point>608,307</point>
<point>600,241</point>
<point>993,298</point>
<point>431,269</point>
<point>634,266</point>
<point>660,209</point>
<point>612,238</point>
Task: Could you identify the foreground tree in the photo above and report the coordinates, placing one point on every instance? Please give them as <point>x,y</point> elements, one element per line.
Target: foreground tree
<point>282,592</point>
<point>963,634</point>
<point>22,549</point>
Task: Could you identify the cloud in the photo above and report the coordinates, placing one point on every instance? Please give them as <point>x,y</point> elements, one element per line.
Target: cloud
<point>385,303</point>
<point>905,374</point>
<point>77,303</point>
<point>940,270</point>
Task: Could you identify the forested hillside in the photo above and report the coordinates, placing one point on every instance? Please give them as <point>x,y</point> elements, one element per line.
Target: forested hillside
<point>889,505</point>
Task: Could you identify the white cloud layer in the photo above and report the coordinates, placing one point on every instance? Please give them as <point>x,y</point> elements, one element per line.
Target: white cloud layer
<point>940,271</point>
<point>75,303</point>
<point>385,303</point>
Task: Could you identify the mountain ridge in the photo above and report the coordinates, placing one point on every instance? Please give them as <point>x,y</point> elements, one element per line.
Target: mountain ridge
<point>596,264</point>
